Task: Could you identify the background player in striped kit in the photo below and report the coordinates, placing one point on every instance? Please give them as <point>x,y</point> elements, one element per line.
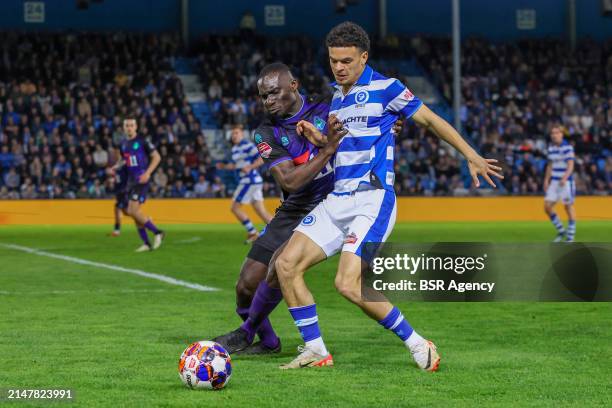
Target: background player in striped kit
<point>559,184</point>
<point>246,160</point>
<point>362,207</point>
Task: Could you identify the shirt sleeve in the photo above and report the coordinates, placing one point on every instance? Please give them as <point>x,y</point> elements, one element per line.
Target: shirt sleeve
<point>268,148</point>
<point>568,153</point>
<point>149,147</point>
<point>400,100</point>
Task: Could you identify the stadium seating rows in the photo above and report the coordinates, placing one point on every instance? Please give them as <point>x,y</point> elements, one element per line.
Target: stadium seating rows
<point>62,97</point>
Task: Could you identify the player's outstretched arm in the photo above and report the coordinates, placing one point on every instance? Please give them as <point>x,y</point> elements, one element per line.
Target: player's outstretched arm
<point>113,169</point>
<point>478,165</point>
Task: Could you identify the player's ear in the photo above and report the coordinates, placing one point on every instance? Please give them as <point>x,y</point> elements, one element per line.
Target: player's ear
<point>364,58</point>
<point>294,84</point>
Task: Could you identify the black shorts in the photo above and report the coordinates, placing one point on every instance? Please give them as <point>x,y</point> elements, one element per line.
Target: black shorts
<point>138,192</point>
<point>277,232</point>
<point>121,200</point>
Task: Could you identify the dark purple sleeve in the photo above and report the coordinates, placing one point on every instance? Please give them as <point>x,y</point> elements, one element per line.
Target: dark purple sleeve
<point>270,150</point>
<point>149,147</point>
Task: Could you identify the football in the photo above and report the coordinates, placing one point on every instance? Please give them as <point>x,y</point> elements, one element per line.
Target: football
<point>206,365</point>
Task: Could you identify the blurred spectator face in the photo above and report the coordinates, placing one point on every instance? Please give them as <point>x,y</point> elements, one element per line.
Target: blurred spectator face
<point>556,134</point>
<point>237,135</point>
<point>347,64</point>
<point>130,127</point>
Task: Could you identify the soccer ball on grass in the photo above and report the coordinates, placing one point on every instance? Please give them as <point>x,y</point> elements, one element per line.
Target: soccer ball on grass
<point>205,364</point>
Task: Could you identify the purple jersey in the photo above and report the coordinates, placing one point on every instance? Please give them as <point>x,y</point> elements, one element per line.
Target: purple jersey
<point>136,153</point>
<point>277,141</point>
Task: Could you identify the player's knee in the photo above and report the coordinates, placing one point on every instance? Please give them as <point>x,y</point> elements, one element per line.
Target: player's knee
<point>285,267</point>
<point>547,209</point>
<point>244,291</point>
<point>348,289</point>
<point>272,278</point>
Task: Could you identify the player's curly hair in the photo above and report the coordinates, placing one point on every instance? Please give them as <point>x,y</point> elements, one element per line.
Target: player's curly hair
<point>348,34</point>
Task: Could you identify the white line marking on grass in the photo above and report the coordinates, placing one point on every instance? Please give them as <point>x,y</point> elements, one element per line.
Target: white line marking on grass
<point>99,291</point>
<point>159,277</point>
<point>189,240</point>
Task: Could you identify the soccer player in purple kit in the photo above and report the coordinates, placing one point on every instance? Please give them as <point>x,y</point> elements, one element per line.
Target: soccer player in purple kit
<point>140,158</point>
<point>306,177</point>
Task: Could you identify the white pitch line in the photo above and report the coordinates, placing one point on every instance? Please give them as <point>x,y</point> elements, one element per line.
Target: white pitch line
<point>156,276</point>
<point>100,291</point>
<point>189,240</point>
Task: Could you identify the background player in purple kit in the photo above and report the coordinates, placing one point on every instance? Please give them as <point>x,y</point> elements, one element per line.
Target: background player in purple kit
<point>140,158</point>
<point>305,174</point>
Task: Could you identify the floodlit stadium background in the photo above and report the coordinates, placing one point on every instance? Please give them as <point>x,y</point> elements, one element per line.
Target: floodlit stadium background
<point>69,70</point>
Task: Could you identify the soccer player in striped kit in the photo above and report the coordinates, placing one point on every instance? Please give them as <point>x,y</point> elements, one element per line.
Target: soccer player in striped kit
<point>246,160</point>
<point>362,207</point>
<point>559,184</point>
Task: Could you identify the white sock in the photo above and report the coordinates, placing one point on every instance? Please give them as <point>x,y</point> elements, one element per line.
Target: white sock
<point>414,340</point>
<point>317,346</point>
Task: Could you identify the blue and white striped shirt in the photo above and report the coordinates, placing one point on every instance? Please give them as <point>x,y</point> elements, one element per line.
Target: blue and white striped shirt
<point>559,157</point>
<point>244,154</point>
<point>368,111</point>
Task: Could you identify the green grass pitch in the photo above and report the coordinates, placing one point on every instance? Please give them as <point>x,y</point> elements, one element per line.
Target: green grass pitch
<point>115,338</point>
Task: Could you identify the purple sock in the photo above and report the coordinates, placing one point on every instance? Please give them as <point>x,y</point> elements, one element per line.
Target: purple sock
<point>243,312</point>
<point>264,302</point>
<point>151,227</point>
<point>143,235</point>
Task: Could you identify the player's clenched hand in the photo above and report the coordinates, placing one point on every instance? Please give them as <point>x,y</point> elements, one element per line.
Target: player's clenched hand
<point>480,166</point>
<point>335,129</point>
<point>398,126</point>
<point>144,178</point>
<point>310,132</point>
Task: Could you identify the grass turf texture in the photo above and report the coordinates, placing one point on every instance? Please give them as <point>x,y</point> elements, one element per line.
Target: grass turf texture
<point>115,338</point>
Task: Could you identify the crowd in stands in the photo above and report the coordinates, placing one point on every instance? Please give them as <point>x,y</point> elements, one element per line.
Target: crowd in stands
<point>514,92</point>
<point>62,97</point>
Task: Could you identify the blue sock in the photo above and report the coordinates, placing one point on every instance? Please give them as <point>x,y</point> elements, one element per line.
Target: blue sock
<point>249,226</point>
<point>397,324</point>
<point>554,218</point>
<point>307,322</point>
<point>571,230</point>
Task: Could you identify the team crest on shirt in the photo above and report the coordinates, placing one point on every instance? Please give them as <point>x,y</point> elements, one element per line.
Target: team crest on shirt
<point>285,141</point>
<point>264,150</point>
<point>319,123</point>
<point>361,97</point>
<point>309,220</point>
<point>350,238</point>
<point>258,138</point>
